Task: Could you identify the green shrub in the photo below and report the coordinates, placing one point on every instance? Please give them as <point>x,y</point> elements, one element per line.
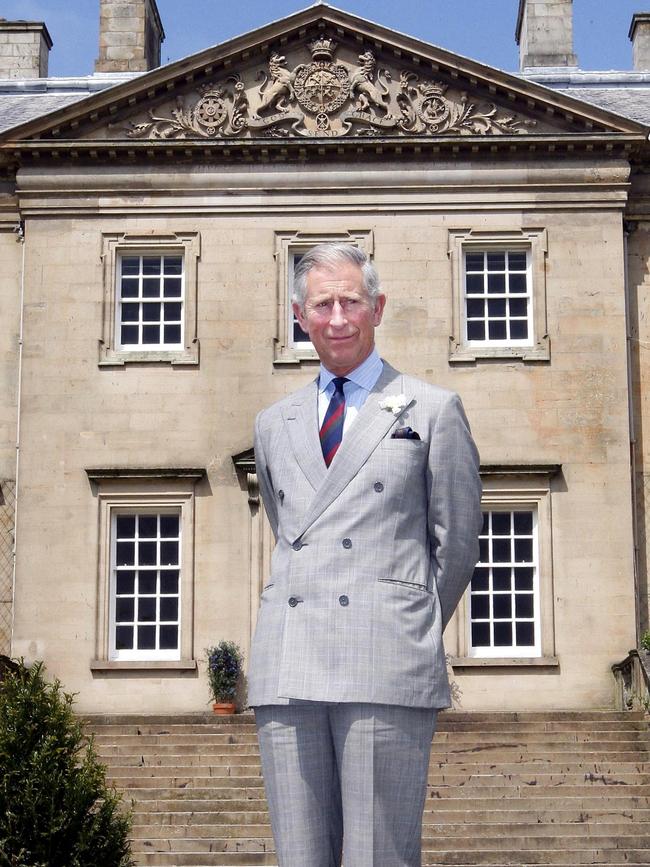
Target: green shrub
<point>225,662</point>
<point>645,640</point>
<point>56,809</point>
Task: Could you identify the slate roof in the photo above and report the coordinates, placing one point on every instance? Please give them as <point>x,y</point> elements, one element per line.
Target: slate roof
<point>625,93</point>
<point>23,100</point>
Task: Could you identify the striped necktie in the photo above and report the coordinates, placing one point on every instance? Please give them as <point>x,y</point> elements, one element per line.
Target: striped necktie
<point>331,432</point>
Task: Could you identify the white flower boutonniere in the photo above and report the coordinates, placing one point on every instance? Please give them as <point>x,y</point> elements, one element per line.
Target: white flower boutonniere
<point>394,403</point>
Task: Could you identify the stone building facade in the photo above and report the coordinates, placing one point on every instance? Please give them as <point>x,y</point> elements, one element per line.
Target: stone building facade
<point>149,225</point>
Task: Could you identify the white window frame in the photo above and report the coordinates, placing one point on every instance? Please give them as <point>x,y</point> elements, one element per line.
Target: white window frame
<point>134,491</point>
<point>140,654</point>
<point>536,347</point>
<point>296,346</point>
<point>114,248</point>
<point>513,649</point>
<point>490,342</point>
<point>516,488</point>
<point>141,255</point>
<point>288,244</point>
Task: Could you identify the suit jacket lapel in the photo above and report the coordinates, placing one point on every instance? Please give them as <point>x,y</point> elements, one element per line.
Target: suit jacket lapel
<point>370,427</point>
<point>301,422</point>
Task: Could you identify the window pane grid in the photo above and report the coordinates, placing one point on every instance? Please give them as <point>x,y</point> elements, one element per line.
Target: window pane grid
<point>504,608</point>
<point>146,585</point>
<point>150,301</point>
<point>498,299</point>
<point>297,336</point>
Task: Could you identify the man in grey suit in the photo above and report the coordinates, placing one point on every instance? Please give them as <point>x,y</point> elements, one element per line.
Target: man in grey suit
<point>370,482</point>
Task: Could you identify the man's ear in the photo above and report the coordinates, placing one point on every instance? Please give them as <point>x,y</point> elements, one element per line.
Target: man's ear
<point>300,316</point>
<point>380,303</point>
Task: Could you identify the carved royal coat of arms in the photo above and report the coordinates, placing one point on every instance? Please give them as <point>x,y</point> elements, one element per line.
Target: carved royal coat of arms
<point>328,98</point>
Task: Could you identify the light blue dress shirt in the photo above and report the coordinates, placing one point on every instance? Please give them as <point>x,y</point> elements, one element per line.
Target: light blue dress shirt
<point>361,382</point>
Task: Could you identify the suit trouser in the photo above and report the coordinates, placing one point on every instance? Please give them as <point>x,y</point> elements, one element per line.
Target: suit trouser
<point>345,778</point>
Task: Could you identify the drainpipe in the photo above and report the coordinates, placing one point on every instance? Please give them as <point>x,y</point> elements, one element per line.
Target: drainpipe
<point>628,228</point>
<point>20,232</point>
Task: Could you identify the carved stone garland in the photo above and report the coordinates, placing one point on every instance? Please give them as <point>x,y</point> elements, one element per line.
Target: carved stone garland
<point>328,99</point>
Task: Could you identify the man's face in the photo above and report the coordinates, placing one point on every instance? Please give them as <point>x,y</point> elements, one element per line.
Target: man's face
<point>340,317</point>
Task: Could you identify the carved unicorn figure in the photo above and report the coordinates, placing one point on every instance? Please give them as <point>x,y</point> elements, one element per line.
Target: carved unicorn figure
<point>280,88</point>
<point>361,83</point>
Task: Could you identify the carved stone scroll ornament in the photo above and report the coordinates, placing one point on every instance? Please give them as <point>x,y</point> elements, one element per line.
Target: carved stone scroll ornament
<point>425,108</point>
<point>220,111</point>
<point>325,98</point>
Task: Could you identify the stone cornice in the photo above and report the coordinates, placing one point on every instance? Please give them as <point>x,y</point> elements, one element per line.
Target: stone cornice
<point>541,469</point>
<point>281,150</point>
<point>98,474</point>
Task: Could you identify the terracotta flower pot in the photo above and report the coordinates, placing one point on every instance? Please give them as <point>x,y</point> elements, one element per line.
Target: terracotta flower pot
<point>223,708</point>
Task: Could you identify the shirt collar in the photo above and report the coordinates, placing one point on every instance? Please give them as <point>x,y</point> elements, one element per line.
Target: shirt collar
<point>363,376</point>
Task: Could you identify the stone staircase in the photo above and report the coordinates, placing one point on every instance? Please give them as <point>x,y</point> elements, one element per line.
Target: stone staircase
<point>505,790</point>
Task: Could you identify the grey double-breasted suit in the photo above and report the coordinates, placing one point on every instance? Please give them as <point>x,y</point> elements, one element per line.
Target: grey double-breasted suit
<point>372,555</point>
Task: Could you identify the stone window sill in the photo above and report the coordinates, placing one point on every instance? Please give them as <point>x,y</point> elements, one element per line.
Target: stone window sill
<point>460,354</point>
<point>108,665</point>
<point>175,358</point>
<point>460,662</point>
<point>296,359</point>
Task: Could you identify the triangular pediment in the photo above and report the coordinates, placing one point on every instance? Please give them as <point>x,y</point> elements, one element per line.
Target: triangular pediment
<point>321,74</point>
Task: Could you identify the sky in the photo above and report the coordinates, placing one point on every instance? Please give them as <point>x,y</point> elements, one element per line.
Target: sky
<point>480,29</point>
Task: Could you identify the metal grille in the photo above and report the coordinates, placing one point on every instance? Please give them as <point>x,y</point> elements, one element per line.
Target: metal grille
<point>7,507</point>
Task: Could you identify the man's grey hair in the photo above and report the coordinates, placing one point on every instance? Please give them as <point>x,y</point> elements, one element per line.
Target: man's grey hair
<point>327,257</point>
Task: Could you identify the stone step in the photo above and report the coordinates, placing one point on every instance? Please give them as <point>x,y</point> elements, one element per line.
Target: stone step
<point>543,820</point>
<point>222,777</point>
<point>485,740</point>
<point>510,803</point>
<point>454,724</point>
<point>467,858</point>
<point>445,797</point>
<point>517,792</point>
<point>223,755</point>
<point>455,717</point>
<point>238,825</point>
<point>258,837</point>
<point>532,858</point>
<point>529,774</point>
<point>216,763</point>
<point>187,745</point>
<point>212,859</point>
<point>246,724</point>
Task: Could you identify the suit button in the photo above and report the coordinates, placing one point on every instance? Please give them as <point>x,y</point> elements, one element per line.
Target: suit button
<point>293,601</point>
<point>281,494</point>
<point>297,545</point>
<point>347,543</point>
<point>343,600</point>
<point>378,487</point>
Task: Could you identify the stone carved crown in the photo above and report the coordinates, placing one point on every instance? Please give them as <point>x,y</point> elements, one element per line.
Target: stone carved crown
<point>322,49</point>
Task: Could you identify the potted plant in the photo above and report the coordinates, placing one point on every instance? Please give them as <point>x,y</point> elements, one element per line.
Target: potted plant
<point>225,662</point>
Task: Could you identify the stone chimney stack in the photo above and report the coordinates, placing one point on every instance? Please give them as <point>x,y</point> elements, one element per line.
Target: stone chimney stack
<point>130,36</point>
<point>24,49</point>
<point>640,36</point>
<point>544,33</point>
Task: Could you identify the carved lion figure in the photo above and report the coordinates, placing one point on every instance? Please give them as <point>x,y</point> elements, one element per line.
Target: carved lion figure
<point>361,81</point>
<point>280,89</point>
